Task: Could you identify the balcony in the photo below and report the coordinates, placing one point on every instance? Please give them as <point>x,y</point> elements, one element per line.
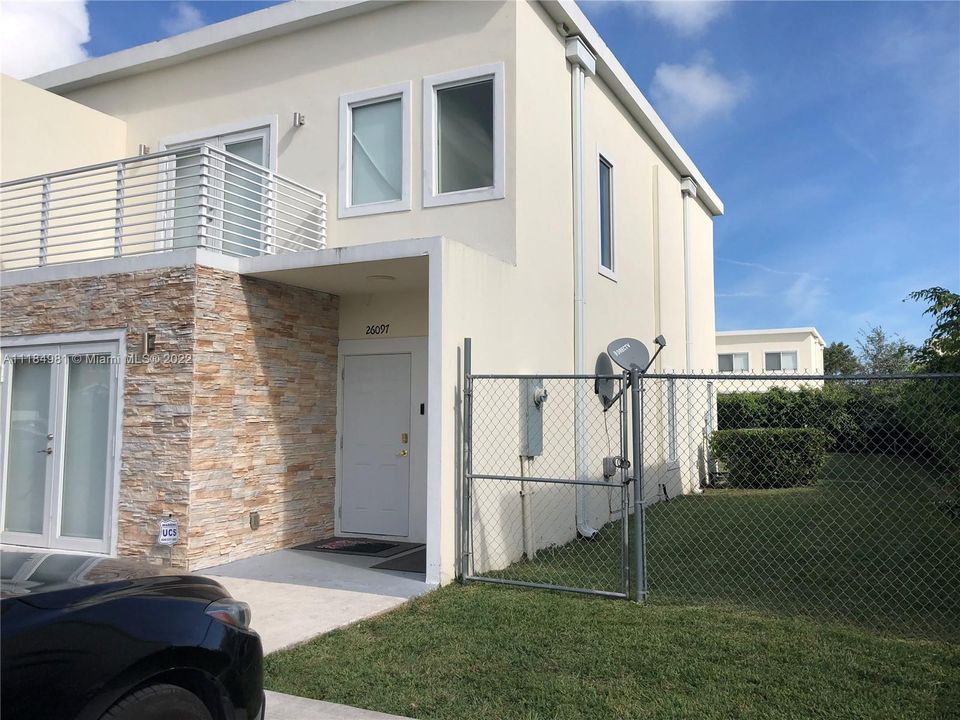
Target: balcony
<point>199,197</point>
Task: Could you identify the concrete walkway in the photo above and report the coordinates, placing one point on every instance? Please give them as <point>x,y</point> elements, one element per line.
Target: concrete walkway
<point>296,595</point>
<point>290,707</point>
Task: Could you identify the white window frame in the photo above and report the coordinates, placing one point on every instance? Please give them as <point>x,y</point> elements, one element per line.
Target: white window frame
<point>607,272</point>
<point>62,344</point>
<point>431,84</point>
<point>733,363</point>
<point>781,353</point>
<point>348,101</point>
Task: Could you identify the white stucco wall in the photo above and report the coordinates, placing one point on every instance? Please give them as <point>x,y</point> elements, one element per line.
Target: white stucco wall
<point>307,71</point>
<point>41,132</point>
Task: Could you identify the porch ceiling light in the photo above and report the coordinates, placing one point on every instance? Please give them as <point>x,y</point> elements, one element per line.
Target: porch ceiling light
<point>381,278</point>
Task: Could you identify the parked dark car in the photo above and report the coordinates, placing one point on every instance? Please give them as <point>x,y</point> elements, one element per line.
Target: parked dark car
<point>85,638</point>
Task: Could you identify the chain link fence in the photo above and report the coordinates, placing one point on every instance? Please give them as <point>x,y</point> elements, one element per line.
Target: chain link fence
<point>547,485</point>
<point>833,498</point>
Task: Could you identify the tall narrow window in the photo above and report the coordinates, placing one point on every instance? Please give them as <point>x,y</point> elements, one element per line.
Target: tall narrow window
<point>375,151</point>
<point>463,136</point>
<point>606,216</point>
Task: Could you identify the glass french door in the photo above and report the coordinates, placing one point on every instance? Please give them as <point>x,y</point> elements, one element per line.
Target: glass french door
<point>58,423</point>
<point>237,192</point>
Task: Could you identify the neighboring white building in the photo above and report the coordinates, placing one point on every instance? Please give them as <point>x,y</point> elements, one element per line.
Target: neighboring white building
<point>302,212</point>
<point>797,351</point>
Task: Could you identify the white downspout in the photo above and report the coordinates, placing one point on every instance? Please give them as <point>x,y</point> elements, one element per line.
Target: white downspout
<point>688,188</point>
<point>582,63</point>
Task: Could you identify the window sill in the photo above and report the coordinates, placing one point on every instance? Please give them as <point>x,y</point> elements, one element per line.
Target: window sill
<point>607,273</point>
<point>463,197</point>
<point>381,208</point>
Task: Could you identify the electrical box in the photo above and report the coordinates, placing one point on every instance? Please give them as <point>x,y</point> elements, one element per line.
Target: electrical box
<point>533,396</point>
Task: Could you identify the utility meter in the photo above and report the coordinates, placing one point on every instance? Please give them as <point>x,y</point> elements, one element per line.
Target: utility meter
<point>533,397</point>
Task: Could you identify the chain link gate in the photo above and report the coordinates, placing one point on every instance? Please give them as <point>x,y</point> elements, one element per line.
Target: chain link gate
<point>835,498</point>
<point>546,484</point>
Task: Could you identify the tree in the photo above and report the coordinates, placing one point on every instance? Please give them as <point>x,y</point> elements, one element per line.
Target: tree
<point>941,351</point>
<point>840,359</point>
<point>883,354</point>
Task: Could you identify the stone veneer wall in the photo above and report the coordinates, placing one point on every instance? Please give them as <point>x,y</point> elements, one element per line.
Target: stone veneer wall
<point>155,454</point>
<point>249,424</point>
<point>264,418</point>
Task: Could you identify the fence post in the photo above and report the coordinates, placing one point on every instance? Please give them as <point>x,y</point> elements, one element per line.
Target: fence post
<point>466,503</point>
<point>640,540</point>
<point>624,489</point>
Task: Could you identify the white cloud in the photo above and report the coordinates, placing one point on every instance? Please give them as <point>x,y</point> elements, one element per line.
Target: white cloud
<point>687,17</point>
<point>801,300</point>
<point>36,37</point>
<point>687,95</point>
<point>185,17</point>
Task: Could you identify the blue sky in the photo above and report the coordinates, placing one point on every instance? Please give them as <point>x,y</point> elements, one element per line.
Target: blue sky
<point>831,130</point>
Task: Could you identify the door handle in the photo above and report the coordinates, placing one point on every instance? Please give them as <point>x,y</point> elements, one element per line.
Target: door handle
<point>48,451</point>
<point>402,453</point>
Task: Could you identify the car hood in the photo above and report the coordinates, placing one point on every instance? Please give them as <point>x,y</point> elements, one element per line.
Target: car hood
<point>72,578</point>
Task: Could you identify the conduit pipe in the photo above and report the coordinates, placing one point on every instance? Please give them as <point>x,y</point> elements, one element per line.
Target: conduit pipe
<point>582,63</point>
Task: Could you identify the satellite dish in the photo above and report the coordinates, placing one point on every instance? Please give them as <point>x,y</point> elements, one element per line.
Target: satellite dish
<point>604,386</point>
<point>629,353</point>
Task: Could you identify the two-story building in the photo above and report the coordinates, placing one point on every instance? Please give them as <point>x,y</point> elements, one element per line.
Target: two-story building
<point>239,264</point>
<point>772,352</point>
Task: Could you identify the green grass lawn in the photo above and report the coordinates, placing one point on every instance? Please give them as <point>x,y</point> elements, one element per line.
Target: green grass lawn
<point>820,602</point>
<point>867,545</point>
<point>493,652</point>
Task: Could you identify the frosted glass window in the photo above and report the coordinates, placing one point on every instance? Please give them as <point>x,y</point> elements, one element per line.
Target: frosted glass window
<point>243,198</point>
<point>465,137</point>
<point>87,439</point>
<point>733,362</point>
<point>26,459</point>
<point>377,152</point>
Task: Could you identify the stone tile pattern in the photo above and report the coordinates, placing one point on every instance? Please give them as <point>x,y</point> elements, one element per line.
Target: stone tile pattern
<point>248,423</point>
<point>264,417</point>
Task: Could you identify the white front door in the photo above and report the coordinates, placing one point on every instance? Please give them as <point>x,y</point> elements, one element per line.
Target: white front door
<point>57,444</point>
<point>375,458</point>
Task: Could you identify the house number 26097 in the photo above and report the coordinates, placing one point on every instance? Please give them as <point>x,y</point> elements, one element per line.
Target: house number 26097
<point>381,329</point>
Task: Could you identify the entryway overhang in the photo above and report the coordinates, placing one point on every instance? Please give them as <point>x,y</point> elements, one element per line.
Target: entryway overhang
<point>394,267</point>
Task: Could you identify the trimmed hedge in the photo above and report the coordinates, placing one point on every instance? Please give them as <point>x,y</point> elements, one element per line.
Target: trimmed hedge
<point>916,418</point>
<point>770,457</point>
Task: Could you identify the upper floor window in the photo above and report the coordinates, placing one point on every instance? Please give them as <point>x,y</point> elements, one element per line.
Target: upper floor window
<point>780,361</point>
<point>605,171</point>
<point>733,362</point>
<point>375,151</point>
<point>463,129</point>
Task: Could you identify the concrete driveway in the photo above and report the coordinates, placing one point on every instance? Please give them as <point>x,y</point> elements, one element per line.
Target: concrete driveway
<point>296,595</point>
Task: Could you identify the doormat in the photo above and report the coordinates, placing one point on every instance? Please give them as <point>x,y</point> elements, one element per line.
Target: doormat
<point>415,562</point>
<point>359,546</point>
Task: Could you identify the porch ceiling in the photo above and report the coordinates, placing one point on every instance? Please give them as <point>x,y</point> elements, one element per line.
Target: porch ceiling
<point>356,278</point>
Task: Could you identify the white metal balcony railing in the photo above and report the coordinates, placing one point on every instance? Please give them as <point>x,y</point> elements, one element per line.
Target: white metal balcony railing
<point>189,197</point>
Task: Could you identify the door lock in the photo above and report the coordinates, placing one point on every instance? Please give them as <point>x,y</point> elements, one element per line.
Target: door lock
<point>404,438</point>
